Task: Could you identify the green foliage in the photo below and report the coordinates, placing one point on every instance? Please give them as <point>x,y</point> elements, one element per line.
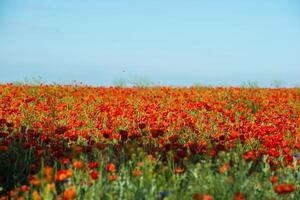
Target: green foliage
<point>120,83</point>
<point>251,84</point>
<point>277,83</point>
<point>140,82</point>
<point>159,181</point>
<point>30,81</point>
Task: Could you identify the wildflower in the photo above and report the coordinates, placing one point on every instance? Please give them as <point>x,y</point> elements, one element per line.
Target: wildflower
<point>116,136</point>
<point>34,180</point>
<point>179,170</point>
<point>64,174</point>
<point>142,125</point>
<point>61,129</point>
<point>93,165</point>
<point>48,173</point>
<point>197,196</point>
<point>242,117</point>
<point>24,188</point>
<point>163,194</point>
<point>284,188</point>
<point>112,177</point>
<point>3,121</point>
<point>14,193</point>
<point>140,164</point>
<point>213,153</point>
<point>65,161</point>
<point>124,135</point>
<point>239,196</point>
<point>234,135</point>
<point>111,168</point>
<point>288,159</point>
<point>137,173</point>
<point>61,175</point>
<point>70,193</point>
<point>208,197</point>
<point>181,153</point>
<point>39,152</point>
<point>35,195</point>
<point>78,164</point>
<point>220,147</point>
<point>249,155</point>
<point>3,148</point>
<point>274,179</point>
<point>296,155</point>
<point>94,175</point>
<point>107,134</point>
<point>77,149</point>
<point>224,168</point>
<point>155,132</point>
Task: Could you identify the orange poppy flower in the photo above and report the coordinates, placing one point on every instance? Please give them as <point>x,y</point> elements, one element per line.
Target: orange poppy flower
<point>70,193</point>
<point>48,173</point>
<point>34,180</point>
<point>224,168</point>
<point>36,196</point>
<point>64,174</point>
<point>207,197</point>
<point>179,170</point>
<point>111,167</point>
<point>78,164</point>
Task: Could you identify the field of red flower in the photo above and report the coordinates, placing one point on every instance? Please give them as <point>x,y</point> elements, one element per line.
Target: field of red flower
<point>80,142</point>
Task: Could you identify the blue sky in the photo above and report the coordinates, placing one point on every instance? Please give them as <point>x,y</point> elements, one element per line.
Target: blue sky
<point>167,41</point>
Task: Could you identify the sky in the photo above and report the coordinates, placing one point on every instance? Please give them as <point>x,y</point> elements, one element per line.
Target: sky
<point>170,42</point>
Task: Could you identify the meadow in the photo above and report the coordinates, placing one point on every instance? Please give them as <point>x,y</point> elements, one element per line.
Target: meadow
<point>202,143</point>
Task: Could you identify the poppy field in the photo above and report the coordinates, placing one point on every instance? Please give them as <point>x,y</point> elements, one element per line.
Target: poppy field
<point>202,143</point>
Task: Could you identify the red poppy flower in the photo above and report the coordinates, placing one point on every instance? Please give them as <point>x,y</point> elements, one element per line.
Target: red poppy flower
<point>284,188</point>
<point>112,177</point>
<point>94,175</point>
<point>93,165</point>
